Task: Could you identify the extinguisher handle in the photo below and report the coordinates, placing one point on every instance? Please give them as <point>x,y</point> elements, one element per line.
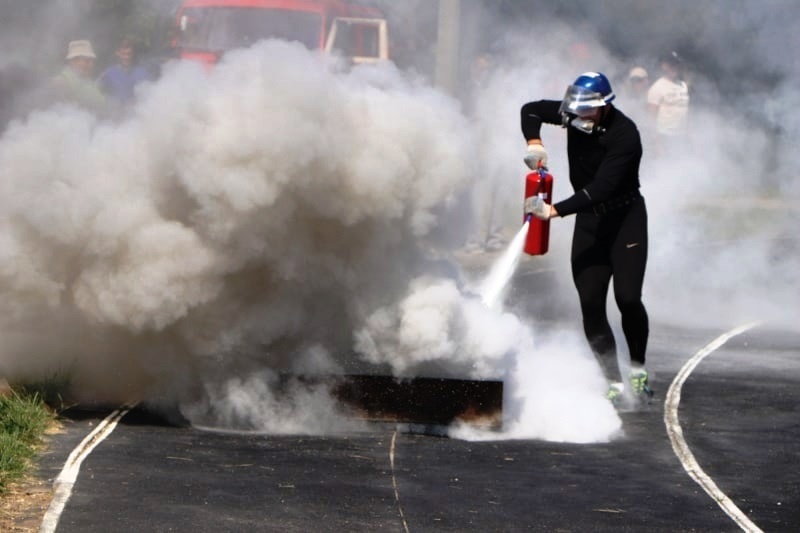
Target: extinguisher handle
<point>542,174</point>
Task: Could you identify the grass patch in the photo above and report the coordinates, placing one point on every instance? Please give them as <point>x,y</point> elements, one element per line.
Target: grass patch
<point>49,390</point>
<point>24,417</point>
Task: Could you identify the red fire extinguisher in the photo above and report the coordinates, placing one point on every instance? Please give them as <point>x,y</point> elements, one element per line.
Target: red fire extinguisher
<point>538,183</point>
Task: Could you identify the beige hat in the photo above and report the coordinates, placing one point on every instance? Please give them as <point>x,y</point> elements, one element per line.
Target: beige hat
<point>637,72</point>
<point>80,49</point>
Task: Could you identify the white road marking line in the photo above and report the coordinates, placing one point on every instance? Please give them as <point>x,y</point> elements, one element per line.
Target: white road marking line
<point>69,474</point>
<point>679,444</point>
<point>394,483</point>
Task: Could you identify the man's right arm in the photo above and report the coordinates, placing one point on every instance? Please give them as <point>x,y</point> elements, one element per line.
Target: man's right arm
<point>533,114</point>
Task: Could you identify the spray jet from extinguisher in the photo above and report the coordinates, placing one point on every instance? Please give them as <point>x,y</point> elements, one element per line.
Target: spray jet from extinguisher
<point>532,241</point>
<point>537,183</point>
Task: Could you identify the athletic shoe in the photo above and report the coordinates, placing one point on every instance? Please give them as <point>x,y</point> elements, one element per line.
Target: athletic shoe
<point>640,385</point>
<point>615,393</point>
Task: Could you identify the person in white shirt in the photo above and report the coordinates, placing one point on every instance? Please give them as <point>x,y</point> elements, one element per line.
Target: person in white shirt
<point>668,99</point>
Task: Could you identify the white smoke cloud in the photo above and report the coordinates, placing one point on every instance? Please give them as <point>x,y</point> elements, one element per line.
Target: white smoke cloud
<point>259,402</point>
<point>437,323</point>
<point>553,388</point>
<point>262,218</point>
<point>269,201</point>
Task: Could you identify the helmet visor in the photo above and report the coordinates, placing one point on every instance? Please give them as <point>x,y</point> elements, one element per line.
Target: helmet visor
<point>581,101</point>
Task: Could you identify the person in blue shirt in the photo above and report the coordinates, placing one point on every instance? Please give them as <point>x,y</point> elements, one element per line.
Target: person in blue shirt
<point>119,81</point>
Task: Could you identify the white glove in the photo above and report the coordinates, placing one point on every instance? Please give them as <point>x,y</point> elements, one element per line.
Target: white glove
<point>536,156</point>
<point>537,207</point>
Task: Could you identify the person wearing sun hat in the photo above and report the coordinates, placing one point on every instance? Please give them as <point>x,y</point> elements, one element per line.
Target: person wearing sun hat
<point>638,82</point>
<point>633,94</point>
<point>75,83</point>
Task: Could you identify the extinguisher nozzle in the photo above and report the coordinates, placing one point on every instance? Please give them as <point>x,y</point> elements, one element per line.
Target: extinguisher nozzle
<point>528,217</point>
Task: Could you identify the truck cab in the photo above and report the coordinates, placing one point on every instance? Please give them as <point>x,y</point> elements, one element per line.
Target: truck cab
<point>206,29</point>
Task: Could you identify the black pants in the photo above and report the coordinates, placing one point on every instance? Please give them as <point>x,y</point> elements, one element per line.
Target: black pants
<point>605,247</point>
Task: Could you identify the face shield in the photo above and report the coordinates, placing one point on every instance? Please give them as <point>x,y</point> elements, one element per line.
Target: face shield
<point>579,103</point>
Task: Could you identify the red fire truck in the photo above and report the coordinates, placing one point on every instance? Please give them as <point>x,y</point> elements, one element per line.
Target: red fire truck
<point>206,29</point>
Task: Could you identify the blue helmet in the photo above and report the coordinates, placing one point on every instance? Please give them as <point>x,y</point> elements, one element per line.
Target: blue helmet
<point>596,82</point>
<point>590,91</point>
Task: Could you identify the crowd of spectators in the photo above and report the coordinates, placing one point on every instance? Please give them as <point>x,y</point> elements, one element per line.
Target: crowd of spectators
<point>76,83</point>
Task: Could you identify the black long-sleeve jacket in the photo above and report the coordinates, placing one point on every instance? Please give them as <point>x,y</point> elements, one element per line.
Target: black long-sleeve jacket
<point>602,165</point>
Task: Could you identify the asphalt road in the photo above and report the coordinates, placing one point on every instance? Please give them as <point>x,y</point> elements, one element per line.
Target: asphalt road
<point>738,412</point>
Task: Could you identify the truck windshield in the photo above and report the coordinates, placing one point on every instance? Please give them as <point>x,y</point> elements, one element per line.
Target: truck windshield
<point>219,29</point>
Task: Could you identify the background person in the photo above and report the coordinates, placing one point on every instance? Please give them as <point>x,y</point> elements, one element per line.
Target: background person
<point>119,81</point>
<point>610,236</point>
<point>668,102</point>
<point>634,96</point>
<point>636,87</point>
<point>75,83</point>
